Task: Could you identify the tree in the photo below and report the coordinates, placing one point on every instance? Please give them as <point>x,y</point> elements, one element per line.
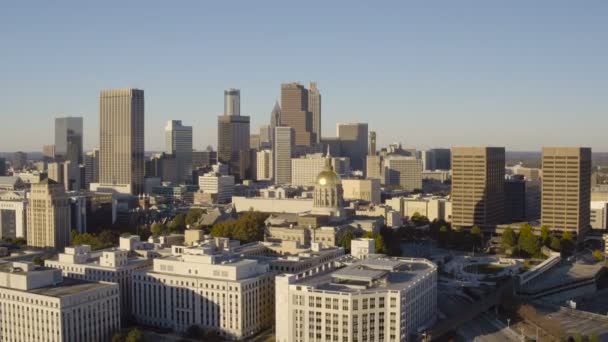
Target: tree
<point>544,235</point>
<point>178,224</point>
<point>379,242</point>
<point>345,240</point>
<point>525,230</point>
<point>119,337</point>
<point>419,220</point>
<point>38,261</point>
<point>443,236</point>
<point>593,338</point>
<point>567,243</point>
<point>477,236</point>
<point>193,216</point>
<point>508,238</point>
<point>527,241</point>
<point>598,255</point>
<point>555,244</point>
<point>158,229</point>
<point>567,236</point>
<point>578,338</point>
<point>135,335</point>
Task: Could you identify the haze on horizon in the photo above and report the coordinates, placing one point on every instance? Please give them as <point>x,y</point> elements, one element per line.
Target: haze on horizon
<point>518,74</point>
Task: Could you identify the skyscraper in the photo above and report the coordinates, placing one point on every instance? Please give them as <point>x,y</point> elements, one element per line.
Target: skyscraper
<point>68,139</point>
<point>48,152</point>
<point>314,106</point>
<point>284,141</point>
<point>371,151</point>
<point>478,180</point>
<point>275,116</point>
<point>121,152</point>
<point>48,216</point>
<point>295,113</point>
<point>91,167</point>
<point>178,141</point>
<point>19,160</point>
<point>232,102</point>
<point>233,143</point>
<point>403,171</point>
<point>264,165</point>
<point>353,143</point>
<point>566,188</point>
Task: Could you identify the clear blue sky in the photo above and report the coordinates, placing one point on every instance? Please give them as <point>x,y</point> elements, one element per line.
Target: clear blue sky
<point>520,74</point>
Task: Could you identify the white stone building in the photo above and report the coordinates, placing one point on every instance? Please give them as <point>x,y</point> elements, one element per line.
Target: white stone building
<point>203,286</point>
<point>362,189</point>
<point>111,265</point>
<point>218,185</point>
<point>375,299</point>
<point>38,304</point>
<point>12,214</point>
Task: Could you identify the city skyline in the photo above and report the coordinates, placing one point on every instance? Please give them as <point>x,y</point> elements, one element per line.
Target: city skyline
<point>527,67</point>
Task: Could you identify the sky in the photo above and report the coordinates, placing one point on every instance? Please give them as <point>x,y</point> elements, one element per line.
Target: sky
<point>519,74</point>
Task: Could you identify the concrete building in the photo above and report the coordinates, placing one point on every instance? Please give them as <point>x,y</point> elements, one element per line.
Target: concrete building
<point>566,189</point>
<point>91,167</point>
<point>264,165</point>
<point>114,265</point>
<point>372,148</point>
<point>284,143</point>
<point>362,248</point>
<point>404,172</point>
<point>233,143</point>
<point>478,179</point>
<point>48,216</point>
<point>375,168</point>
<point>48,152</point>
<point>377,298</point>
<point>598,215</point>
<point>178,142</point>
<point>529,173</point>
<point>434,208</point>
<point>522,199</point>
<point>314,106</point>
<point>304,170</point>
<point>121,152</point>
<point>164,166</point>
<point>201,159</point>
<point>202,286</point>
<point>354,143</point>
<point>68,139</point>
<point>436,159</point>
<point>12,214</point>
<point>218,185</point>
<point>232,102</point>
<point>55,172</point>
<point>362,189</point>
<point>38,304</point>
<point>295,113</point>
<point>272,205</point>
<point>18,161</point>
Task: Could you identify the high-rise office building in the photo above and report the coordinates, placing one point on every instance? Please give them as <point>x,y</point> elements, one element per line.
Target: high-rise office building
<point>353,143</point>
<point>178,142</point>
<point>48,152</point>
<point>295,113</point>
<point>284,141</point>
<point>121,152</point>
<point>232,102</point>
<point>436,159</point>
<point>19,160</point>
<point>91,167</point>
<point>55,172</point>
<point>203,159</point>
<point>265,137</point>
<point>233,144</point>
<point>275,117</point>
<point>48,216</point>
<point>305,169</point>
<point>404,172</point>
<point>314,106</point>
<point>478,181</point>
<point>264,165</point>
<point>371,151</point>
<point>68,139</point>
<point>566,188</point>
<point>375,168</point>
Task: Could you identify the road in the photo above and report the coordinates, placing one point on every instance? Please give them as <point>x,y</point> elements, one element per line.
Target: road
<point>485,328</point>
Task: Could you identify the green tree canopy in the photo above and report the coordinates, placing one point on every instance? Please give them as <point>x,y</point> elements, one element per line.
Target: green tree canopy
<point>567,236</point>
<point>475,230</point>
<point>135,335</point>
<point>193,216</point>
<point>528,243</point>
<point>248,227</point>
<point>525,230</point>
<point>508,238</point>
<point>555,244</point>
<point>159,229</point>
<point>178,224</point>
<point>345,240</point>
<point>545,235</point>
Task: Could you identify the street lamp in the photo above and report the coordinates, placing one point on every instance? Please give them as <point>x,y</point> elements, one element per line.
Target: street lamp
<point>508,323</point>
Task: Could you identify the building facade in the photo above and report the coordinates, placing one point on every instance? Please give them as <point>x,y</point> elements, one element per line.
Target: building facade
<point>13,206</point>
<point>199,286</point>
<point>218,185</point>
<point>403,172</point>
<point>264,165</point>
<point>121,131</point>
<point>178,142</point>
<point>354,143</point>
<point>68,139</point>
<point>566,188</point>
<point>374,299</point>
<point>362,189</point>
<point>48,216</point>
<point>304,170</point>
<point>295,113</point>
<point>233,144</point>
<point>232,102</point>
<point>284,143</point>
<point>38,304</point>
<point>314,105</point>
<point>478,179</point>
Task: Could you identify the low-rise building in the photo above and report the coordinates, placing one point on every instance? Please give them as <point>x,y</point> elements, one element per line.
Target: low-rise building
<point>221,187</point>
<point>434,208</point>
<point>599,214</point>
<point>377,298</point>
<point>203,286</point>
<point>38,304</point>
<point>362,189</point>
<point>110,265</point>
<point>12,214</point>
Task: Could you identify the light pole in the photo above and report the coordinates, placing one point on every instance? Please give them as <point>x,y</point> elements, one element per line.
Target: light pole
<point>508,323</point>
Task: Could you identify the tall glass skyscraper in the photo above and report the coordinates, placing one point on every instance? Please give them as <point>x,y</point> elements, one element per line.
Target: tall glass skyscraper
<point>68,139</point>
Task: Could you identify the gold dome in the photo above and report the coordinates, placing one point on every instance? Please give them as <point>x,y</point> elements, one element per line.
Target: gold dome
<point>328,178</point>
